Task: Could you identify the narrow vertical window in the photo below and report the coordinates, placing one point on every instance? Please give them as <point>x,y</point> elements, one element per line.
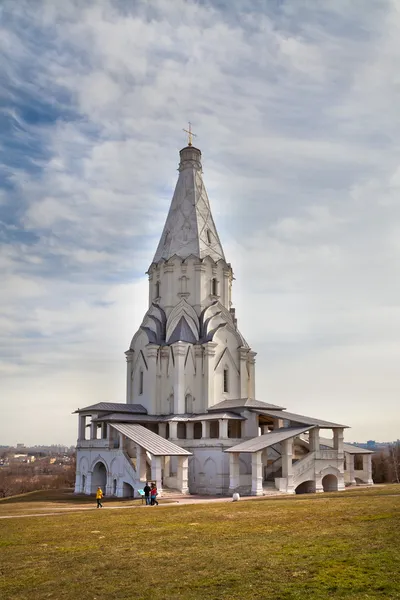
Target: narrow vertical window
<point>214,287</point>
<point>226,380</point>
<point>141,381</point>
<point>209,236</point>
<point>157,289</point>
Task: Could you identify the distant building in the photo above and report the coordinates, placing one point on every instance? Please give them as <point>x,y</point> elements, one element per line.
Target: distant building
<point>191,421</point>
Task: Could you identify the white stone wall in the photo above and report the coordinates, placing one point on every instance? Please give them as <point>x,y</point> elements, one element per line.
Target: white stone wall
<point>117,467</point>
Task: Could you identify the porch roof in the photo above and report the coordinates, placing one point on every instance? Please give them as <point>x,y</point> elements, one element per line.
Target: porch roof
<point>283,414</point>
<point>243,403</point>
<point>349,448</point>
<point>268,439</point>
<point>113,407</point>
<point>150,441</point>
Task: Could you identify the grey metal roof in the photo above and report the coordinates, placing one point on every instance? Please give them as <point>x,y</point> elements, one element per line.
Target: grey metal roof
<point>349,448</point>
<point>129,417</point>
<point>205,417</point>
<point>243,403</point>
<point>268,439</point>
<point>298,418</point>
<point>114,407</point>
<point>153,443</point>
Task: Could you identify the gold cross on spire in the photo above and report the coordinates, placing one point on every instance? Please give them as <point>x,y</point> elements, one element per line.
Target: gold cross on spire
<point>190,134</point>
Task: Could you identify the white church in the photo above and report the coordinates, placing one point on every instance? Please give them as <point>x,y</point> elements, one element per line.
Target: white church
<point>191,421</point>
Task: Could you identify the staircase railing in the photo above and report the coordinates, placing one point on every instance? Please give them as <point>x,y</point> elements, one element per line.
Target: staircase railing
<point>303,464</point>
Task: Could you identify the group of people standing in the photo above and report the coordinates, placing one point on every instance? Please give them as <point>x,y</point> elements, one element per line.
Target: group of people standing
<point>150,494</point>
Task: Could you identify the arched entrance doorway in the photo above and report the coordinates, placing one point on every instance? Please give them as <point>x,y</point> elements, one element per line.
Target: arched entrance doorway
<point>330,483</point>
<point>128,490</point>
<point>307,487</point>
<point>99,477</point>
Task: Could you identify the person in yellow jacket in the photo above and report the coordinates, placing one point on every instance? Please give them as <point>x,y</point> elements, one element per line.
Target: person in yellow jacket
<point>99,495</point>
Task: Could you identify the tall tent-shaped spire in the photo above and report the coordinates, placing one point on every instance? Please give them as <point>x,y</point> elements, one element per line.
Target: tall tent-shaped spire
<point>189,228</point>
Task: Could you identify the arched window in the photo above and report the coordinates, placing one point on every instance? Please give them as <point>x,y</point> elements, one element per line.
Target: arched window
<point>226,380</point>
<point>214,287</point>
<point>209,239</point>
<point>141,382</point>
<point>157,290</point>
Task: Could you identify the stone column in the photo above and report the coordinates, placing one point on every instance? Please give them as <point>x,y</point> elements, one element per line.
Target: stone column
<point>162,430</point>
<point>244,374</point>
<point>82,428</point>
<point>93,430</point>
<point>156,472</point>
<point>256,474</point>
<point>189,430</point>
<point>141,467</point>
<point>287,464</point>
<point>205,429</point>
<point>367,468</point>
<point>209,357</point>
<point>173,430</point>
<point>179,350</point>
<point>182,474</point>
<point>234,477</point>
<point>278,423</point>
<point>338,436</point>
<point>223,429</point>
<point>350,468</point>
<point>314,443</point>
<point>264,429</point>
<point>252,374</point>
<point>129,366</point>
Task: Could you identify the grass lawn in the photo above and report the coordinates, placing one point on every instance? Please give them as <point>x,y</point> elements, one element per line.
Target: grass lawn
<point>343,545</point>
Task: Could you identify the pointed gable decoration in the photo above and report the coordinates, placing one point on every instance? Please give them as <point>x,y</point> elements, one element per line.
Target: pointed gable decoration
<point>189,228</point>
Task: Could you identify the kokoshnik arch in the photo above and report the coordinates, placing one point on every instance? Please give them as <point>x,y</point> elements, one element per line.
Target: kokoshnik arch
<point>191,421</point>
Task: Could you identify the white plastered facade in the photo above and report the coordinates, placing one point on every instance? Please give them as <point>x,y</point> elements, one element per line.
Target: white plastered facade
<point>187,358</point>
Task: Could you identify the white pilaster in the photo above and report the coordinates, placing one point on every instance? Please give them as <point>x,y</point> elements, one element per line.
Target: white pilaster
<point>182,474</point>
<point>179,349</point>
<point>151,377</point>
<point>129,366</point>
<point>252,375</point>
<point>244,374</point>
<point>234,478</point>
<point>209,359</point>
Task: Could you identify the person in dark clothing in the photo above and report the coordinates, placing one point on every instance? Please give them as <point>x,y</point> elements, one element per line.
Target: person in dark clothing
<point>147,490</point>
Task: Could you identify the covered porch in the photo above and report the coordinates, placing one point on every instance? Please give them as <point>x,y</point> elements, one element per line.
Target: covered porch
<point>256,447</point>
<point>144,448</point>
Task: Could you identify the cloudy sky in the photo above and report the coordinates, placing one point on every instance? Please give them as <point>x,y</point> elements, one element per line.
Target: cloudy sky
<point>296,107</point>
